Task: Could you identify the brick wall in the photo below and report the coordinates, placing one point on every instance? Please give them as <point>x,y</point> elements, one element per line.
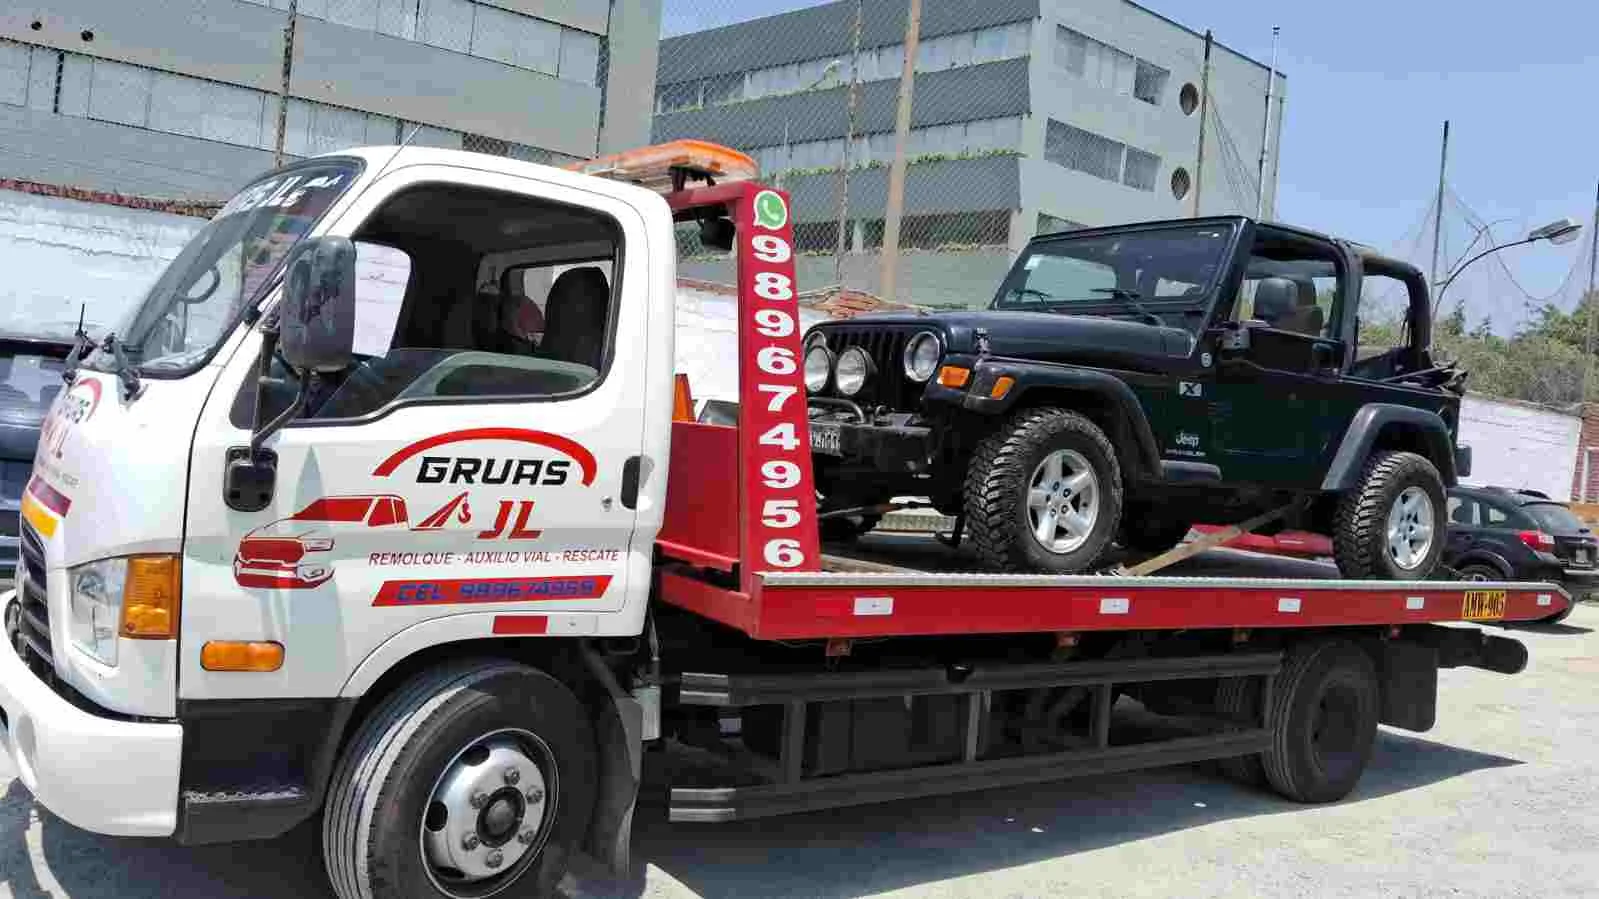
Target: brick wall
<point>1588,438</point>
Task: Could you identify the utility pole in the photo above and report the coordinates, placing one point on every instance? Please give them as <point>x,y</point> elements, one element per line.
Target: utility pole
<point>1438,216</point>
<point>1204,111</point>
<point>1265,129</point>
<point>283,86</point>
<point>1590,301</point>
<point>902,135</point>
<point>849,141</point>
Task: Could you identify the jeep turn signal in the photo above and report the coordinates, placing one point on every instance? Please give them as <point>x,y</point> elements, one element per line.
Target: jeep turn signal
<point>954,376</point>
<point>1002,386</point>
<point>150,598</point>
<point>233,655</point>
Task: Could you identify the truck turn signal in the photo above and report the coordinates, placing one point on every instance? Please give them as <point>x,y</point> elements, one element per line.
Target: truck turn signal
<point>150,598</point>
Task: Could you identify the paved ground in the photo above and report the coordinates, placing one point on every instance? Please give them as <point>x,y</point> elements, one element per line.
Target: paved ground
<point>1499,801</point>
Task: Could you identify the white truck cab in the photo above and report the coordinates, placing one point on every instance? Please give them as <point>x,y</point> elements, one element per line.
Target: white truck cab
<point>221,560</point>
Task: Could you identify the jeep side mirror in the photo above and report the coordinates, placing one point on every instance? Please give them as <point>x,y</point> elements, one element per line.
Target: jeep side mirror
<point>1233,337</point>
<point>317,317</point>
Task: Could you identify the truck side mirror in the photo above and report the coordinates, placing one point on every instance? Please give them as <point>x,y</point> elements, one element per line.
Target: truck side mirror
<point>317,319</point>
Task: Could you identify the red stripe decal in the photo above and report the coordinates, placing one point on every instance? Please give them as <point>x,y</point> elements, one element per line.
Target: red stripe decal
<point>49,497</point>
<point>570,447</point>
<point>520,625</point>
<point>498,589</point>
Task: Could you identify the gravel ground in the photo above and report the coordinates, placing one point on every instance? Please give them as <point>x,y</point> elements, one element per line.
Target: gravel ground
<point>1498,801</point>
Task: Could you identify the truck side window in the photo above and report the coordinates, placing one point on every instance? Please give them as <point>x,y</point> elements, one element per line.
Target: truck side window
<point>508,296</point>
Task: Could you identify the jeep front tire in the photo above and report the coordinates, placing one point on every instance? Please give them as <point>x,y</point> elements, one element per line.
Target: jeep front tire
<point>1044,493</point>
<point>1391,526</point>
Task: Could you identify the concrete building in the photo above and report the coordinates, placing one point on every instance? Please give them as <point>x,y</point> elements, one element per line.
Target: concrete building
<point>1027,116</point>
<point>178,98</point>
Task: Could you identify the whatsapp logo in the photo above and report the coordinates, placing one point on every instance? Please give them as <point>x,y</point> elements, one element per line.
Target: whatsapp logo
<point>770,210</point>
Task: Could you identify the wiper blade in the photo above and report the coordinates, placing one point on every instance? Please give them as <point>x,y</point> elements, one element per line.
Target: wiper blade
<point>80,343</point>
<point>1130,299</point>
<point>126,373</point>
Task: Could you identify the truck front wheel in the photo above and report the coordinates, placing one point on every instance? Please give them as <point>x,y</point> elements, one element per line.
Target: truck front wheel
<point>471,780</point>
<point>1043,494</point>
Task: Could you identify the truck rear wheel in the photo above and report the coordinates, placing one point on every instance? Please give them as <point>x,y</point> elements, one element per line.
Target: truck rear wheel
<point>1323,717</point>
<point>1391,526</point>
<point>469,781</point>
<point>1043,494</point>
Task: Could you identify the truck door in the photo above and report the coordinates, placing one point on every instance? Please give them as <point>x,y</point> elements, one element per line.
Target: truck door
<point>487,456</point>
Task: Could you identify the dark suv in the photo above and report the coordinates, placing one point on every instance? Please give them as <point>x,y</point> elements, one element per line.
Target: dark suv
<point>1498,534</point>
<point>1126,382</point>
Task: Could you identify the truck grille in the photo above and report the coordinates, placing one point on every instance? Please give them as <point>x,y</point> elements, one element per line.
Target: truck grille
<point>889,387</point>
<point>34,625</point>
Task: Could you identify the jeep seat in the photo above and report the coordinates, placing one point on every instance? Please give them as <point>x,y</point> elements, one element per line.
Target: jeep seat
<point>1288,304</point>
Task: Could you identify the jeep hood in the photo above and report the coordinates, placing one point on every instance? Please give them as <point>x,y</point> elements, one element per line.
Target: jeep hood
<point>1044,336</point>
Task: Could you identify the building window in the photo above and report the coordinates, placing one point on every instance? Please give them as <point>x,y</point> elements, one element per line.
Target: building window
<point>1054,224</point>
<point>1188,99</point>
<point>1083,151</point>
<point>1149,82</point>
<point>724,89</point>
<point>672,97</point>
<point>1180,183</point>
<point>1141,169</point>
<point>1113,69</point>
<point>958,139</point>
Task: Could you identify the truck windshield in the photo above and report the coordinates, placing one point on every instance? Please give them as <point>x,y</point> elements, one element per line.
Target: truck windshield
<point>1134,273</point>
<point>225,267</point>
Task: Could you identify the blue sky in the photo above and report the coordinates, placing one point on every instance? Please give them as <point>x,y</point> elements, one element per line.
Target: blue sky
<point>1369,85</point>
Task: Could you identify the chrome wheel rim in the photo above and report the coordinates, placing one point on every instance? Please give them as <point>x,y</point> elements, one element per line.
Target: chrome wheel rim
<point>1410,528</point>
<point>1063,501</point>
<point>489,813</point>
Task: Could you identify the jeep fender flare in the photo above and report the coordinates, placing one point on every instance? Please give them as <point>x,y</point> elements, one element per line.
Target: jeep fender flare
<point>1127,426</point>
<point>1369,423</point>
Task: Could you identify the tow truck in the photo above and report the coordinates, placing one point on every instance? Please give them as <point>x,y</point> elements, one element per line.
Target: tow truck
<point>532,565</point>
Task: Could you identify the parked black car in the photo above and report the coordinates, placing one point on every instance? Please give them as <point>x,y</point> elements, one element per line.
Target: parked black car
<point>1500,534</point>
<point>30,378</point>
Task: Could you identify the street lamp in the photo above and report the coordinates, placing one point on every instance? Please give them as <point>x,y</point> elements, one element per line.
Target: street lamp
<point>828,71</point>
<point>1560,231</point>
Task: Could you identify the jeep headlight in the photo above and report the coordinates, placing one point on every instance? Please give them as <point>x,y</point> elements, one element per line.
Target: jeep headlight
<point>852,370</point>
<point>96,607</point>
<point>922,353</point>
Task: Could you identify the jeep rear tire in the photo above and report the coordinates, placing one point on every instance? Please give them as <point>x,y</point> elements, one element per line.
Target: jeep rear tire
<point>1392,525</point>
<point>1044,493</point>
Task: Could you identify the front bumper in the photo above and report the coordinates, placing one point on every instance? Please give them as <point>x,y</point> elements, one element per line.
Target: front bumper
<point>887,448</point>
<point>103,774</point>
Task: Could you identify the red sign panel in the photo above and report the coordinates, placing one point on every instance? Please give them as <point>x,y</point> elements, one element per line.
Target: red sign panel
<point>779,501</point>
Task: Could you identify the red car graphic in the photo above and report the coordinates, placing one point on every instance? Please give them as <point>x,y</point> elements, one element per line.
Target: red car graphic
<point>295,553</point>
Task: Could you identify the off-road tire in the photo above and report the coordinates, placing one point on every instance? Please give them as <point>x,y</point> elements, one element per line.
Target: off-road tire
<point>1238,701</point>
<point>1360,544</point>
<point>997,483</point>
<point>1324,708</point>
<point>382,783</point>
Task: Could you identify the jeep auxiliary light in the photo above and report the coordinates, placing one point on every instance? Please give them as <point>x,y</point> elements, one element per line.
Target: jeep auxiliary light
<point>852,371</point>
<point>818,368</point>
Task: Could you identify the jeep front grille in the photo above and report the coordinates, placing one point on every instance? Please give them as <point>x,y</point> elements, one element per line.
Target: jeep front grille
<point>32,600</point>
<point>889,386</point>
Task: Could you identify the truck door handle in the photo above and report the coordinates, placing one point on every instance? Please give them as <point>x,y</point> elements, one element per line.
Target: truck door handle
<point>632,469</point>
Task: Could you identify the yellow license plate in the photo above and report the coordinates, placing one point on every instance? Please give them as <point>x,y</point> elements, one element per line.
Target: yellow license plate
<point>1483,605</point>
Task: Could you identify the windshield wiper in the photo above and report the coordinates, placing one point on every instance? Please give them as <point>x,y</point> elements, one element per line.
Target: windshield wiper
<point>126,373</point>
<point>80,343</point>
<point>1130,298</point>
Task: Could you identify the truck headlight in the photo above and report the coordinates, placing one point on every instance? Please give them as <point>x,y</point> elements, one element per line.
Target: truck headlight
<point>96,612</point>
<point>852,371</point>
<point>818,368</point>
<point>922,353</point>
<point>134,597</point>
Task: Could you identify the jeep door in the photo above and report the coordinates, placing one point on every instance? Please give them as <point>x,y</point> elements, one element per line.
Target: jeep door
<point>1278,360</point>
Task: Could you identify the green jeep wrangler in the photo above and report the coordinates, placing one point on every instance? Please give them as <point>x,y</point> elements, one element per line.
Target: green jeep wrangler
<point>1127,382</point>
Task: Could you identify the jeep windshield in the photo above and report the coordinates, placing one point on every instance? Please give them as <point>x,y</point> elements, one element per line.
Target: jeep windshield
<point>224,269</point>
<point>1147,274</point>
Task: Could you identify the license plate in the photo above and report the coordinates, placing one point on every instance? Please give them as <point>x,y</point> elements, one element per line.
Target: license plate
<point>824,439</point>
<point>1483,605</point>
